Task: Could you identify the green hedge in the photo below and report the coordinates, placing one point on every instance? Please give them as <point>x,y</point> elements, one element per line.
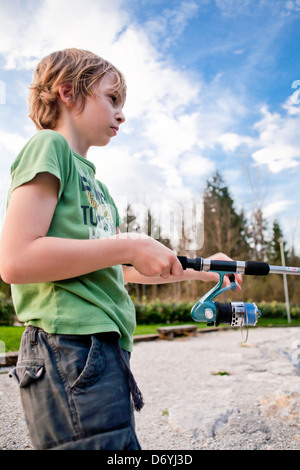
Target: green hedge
<point>149,313</point>
<point>278,310</point>
<point>153,312</point>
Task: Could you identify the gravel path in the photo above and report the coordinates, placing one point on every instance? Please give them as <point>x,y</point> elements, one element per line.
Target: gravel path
<point>206,392</point>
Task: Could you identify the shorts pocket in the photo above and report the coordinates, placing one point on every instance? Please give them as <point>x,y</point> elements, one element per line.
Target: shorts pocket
<point>27,372</point>
<point>94,366</point>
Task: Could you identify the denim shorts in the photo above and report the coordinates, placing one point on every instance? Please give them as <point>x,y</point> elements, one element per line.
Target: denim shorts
<point>75,391</point>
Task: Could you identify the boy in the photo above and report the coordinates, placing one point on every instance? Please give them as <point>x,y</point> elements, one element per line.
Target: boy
<point>68,285</point>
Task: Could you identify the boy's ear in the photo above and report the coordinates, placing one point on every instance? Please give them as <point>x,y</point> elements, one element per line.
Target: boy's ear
<point>66,94</point>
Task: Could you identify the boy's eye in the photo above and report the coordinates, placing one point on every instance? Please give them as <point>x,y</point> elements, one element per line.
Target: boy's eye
<point>113,98</point>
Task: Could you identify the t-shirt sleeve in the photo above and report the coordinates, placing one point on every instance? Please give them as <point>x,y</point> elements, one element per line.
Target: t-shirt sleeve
<point>46,151</point>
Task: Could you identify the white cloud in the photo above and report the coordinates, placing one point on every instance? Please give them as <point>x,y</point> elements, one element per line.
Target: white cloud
<point>153,84</point>
<point>171,137</point>
<point>293,5</point>
<point>167,27</point>
<point>230,7</point>
<point>231,141</point>
<point>195,165</point>
<point>277,157</point>
<point>279,139</point>
<point>27,33</point>
<point>279,8</point>
<point>11,142</point>
<point>132,178</point>
<point>274,208</point>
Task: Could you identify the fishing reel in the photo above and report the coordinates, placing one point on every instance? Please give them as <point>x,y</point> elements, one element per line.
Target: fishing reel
<point>232,313</point>
<point>239,313</point>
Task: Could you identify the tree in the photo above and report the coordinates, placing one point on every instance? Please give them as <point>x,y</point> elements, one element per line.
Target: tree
<point>256,233</point>
<point>258,183</point>
<point>273,247</point>
<point>224,228</point>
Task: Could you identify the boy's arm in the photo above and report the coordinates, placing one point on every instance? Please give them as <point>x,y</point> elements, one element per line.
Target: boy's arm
<point>133,276</point>
<point>27,255</point>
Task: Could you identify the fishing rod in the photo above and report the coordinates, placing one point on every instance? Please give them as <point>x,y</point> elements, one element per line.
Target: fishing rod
<point>233,313</point>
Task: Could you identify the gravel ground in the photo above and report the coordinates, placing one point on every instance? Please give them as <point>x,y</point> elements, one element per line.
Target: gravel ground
<point>209,392</point>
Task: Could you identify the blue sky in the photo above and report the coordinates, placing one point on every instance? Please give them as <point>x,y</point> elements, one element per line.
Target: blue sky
<point>212,84</point>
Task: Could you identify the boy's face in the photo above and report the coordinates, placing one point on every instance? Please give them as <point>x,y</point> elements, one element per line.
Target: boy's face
<point>102,114</point>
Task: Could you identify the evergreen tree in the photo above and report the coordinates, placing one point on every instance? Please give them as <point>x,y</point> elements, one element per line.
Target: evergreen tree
<point>273,248</point>
<point>224,228</point>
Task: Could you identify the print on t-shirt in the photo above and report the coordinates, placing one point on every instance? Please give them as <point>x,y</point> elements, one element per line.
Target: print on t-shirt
<point>98,215</point>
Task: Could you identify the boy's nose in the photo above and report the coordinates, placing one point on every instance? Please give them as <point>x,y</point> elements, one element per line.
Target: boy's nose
<point>120,117</point>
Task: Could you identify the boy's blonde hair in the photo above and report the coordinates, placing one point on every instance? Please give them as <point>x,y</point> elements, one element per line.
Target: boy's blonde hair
<point>82,69</point>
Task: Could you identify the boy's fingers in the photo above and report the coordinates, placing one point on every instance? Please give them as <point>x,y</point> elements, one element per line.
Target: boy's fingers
<point>165,275</point>
<point>177,269</point>
<point>238,279</point>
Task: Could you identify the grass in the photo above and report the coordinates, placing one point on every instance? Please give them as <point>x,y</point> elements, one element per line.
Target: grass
<point>152,329</point>
<point>220,373</point>
<point>269,322</point>
<point>11,335</point>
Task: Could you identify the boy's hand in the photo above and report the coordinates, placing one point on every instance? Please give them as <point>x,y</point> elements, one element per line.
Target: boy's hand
<point>238,277</point>
<point>152,258</point>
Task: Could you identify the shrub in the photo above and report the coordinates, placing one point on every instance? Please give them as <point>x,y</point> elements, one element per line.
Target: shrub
<point>149,313</point>
<point>7,312</point>
<point>278,310</point>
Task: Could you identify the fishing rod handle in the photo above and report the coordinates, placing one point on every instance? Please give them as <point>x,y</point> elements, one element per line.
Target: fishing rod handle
<point>250,268</point>
<point>254,268</point>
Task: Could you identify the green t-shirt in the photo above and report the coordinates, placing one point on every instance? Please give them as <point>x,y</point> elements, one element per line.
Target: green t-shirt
<point>92,303</point>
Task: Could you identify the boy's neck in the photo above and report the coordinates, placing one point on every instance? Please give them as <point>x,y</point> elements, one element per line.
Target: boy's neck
<point>69,127</point>
<point>74,140</point>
